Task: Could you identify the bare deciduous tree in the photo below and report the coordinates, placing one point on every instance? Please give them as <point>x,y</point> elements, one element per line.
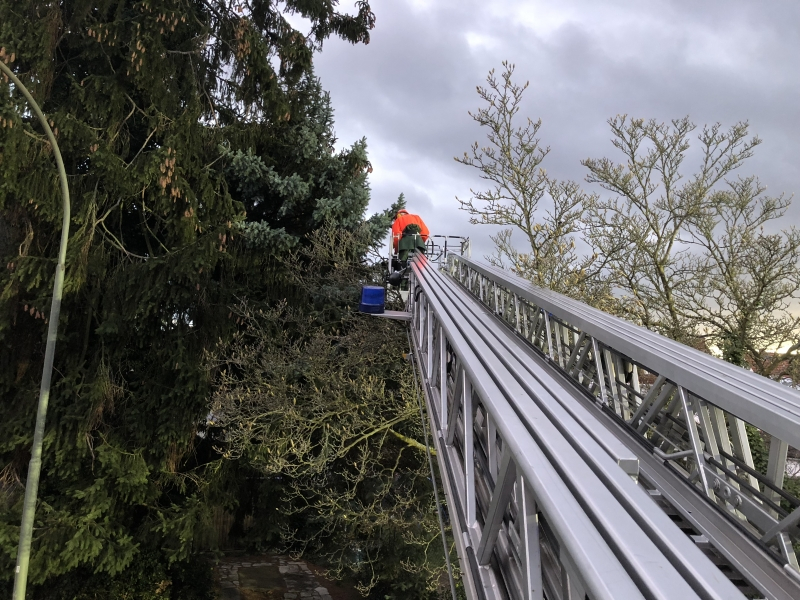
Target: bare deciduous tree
<point>546,211</point>
<point>747,279</point>
<point>642,231</point>
<point>323,400</point>
<point>685,255</point>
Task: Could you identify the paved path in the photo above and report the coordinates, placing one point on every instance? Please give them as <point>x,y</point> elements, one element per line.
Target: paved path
<point>270,577</point>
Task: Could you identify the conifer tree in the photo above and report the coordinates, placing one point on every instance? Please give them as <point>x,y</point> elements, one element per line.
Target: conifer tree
<point>198,146</point>
<point>319,401</point>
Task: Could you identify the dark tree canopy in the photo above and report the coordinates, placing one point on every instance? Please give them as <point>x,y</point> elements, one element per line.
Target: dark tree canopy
<point>199,149</point>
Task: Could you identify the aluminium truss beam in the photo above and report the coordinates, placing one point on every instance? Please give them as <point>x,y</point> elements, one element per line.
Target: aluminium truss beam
<point>689,408</point>
<point>544,501</point>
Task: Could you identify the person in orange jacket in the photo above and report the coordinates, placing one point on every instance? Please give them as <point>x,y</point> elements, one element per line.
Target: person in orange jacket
<point>406,218</point>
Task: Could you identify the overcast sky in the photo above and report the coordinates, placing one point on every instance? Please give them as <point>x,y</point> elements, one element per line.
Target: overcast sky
<point>409,90</point>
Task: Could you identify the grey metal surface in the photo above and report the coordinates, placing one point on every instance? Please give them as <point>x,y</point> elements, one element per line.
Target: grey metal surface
<point>398,315</point>
<point>760,401</point>
<point>600,533</point>
<point>682,408</point>
<point>568,413</point>
<point>741,550</point>
<point>600,571</point>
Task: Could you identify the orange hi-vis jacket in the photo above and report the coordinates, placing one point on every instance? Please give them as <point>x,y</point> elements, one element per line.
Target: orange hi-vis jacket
<point>406,218</point>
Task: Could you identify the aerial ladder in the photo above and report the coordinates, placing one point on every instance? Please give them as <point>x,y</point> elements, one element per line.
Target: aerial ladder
<point>584,457</point>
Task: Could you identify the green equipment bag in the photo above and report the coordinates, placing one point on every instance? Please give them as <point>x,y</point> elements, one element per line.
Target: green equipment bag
<point>411,240</point>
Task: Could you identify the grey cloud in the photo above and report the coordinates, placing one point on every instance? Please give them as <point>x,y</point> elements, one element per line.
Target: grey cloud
<point>409,90</point>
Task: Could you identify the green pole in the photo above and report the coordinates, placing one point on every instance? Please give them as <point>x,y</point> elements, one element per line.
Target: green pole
<point>35,466</point>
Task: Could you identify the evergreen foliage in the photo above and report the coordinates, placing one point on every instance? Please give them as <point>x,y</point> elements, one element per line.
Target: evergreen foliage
<point>319,400</point>
<point>198,146</point>
<point>148,578</point>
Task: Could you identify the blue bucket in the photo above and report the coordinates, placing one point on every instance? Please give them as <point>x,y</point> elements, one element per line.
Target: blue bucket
<point>373,299</point>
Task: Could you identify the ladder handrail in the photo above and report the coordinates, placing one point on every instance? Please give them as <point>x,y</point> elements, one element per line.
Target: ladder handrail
<point>596,527</point>
<point>758,400</point>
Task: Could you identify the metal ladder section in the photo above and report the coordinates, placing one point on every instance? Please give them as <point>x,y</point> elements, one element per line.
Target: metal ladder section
<point>584,457</point>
